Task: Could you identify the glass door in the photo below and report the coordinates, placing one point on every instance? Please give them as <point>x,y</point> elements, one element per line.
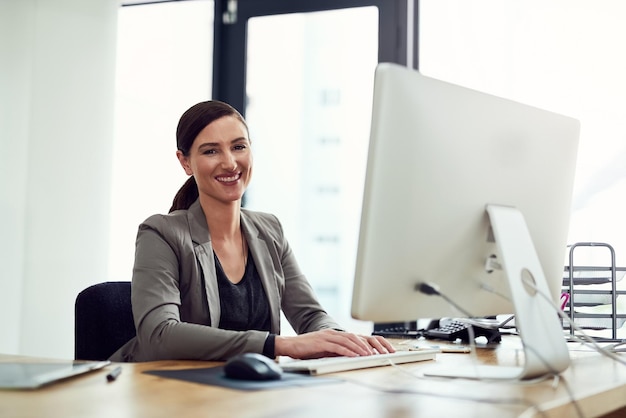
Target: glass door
<point>309,79</point>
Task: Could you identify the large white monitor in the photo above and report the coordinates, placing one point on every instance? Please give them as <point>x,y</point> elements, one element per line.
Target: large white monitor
<point>460,183</point>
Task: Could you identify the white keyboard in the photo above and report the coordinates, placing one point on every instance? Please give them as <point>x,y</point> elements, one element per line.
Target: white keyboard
<point>340,364</point>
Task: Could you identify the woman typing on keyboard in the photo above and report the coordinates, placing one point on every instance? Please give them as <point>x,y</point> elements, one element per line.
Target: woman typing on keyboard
<point>210,278</point>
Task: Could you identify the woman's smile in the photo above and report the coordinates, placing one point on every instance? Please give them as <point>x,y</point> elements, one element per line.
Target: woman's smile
<point>228,178</point>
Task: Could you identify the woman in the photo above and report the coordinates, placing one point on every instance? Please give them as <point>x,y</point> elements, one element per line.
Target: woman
<point>211,278</point>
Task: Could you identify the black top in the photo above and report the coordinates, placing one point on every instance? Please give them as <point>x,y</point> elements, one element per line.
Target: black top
<point>244,305</point>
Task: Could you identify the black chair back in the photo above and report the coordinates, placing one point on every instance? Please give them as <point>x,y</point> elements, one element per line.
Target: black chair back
<point>103,320</point>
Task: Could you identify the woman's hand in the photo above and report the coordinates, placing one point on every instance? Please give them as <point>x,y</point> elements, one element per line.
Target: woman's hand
<point>328,343</point>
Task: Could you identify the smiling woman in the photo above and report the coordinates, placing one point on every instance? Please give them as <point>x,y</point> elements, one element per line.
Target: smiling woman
<point>219,161</point>
<point>212,141</point>
<point>211,279</point>
<point>226,162</point>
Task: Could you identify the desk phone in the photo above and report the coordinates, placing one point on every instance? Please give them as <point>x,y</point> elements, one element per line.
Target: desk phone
<point>448,331</point>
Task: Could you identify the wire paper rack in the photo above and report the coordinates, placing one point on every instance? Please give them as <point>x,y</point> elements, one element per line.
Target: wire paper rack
<point>593,294</point>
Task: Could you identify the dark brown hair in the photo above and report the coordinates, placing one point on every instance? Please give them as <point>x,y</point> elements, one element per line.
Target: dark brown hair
<point>191,123</point>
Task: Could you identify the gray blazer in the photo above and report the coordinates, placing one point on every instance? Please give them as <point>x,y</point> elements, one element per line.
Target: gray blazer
<point>175,297</point>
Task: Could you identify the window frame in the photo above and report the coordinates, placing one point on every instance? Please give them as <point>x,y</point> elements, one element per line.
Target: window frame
<point>230,36</point>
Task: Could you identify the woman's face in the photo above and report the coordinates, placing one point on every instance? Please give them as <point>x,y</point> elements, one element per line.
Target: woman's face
<point>220,159</point>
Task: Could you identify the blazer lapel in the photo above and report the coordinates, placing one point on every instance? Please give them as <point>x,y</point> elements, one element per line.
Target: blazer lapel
<point>258,246</point>
<point>201,238</point>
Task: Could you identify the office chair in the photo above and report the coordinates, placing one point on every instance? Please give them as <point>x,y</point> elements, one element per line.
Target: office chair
<point>103,320</point>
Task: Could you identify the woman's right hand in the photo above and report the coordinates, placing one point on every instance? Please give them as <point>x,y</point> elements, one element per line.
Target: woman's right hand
<point>328,343</point>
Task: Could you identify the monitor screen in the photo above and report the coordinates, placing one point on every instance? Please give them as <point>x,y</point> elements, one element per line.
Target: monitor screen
<point>438,155</point>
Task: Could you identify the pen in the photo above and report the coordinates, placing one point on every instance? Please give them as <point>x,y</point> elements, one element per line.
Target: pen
<point>113,374</point>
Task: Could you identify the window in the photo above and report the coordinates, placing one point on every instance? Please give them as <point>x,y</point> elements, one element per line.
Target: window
<point>164,66</point>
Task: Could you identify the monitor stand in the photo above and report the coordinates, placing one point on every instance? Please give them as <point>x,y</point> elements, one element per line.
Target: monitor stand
<point>545,348</point>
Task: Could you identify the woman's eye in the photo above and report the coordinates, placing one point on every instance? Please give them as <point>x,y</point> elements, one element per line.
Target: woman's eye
<point>240,147</point>
<point>209,151</point>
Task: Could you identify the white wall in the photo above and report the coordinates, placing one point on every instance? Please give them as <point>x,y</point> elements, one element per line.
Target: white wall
<point>57,77</point>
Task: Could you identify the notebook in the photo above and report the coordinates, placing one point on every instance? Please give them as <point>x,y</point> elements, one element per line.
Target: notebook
<point>18,375</point>
<point>340,364</point>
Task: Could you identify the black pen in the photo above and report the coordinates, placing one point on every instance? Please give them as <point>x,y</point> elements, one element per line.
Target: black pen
<point>113,374</point>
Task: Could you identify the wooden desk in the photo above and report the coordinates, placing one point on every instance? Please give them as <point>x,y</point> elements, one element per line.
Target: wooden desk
<point>596,383</point>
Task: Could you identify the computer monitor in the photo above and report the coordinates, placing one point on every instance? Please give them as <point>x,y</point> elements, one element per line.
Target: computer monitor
<point>469,193</point>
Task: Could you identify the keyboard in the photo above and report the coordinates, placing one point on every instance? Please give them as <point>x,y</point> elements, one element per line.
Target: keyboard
<point>340,364</point>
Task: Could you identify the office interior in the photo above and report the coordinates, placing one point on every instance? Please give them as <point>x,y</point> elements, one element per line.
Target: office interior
<point>91,93</point>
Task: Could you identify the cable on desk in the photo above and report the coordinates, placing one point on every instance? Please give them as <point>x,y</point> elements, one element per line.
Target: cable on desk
<point>586,338</point>
<point>502,401</point>
<point>538,291</point>
<point>433,290</point>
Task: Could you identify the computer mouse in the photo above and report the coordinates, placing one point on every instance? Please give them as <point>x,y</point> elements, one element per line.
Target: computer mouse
<point>252,366</point>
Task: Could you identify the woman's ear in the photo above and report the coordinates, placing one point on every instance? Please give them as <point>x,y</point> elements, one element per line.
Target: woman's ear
<point>184,162</point>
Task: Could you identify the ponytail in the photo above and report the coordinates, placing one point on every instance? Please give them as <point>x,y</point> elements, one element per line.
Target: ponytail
<point>186,195</point>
